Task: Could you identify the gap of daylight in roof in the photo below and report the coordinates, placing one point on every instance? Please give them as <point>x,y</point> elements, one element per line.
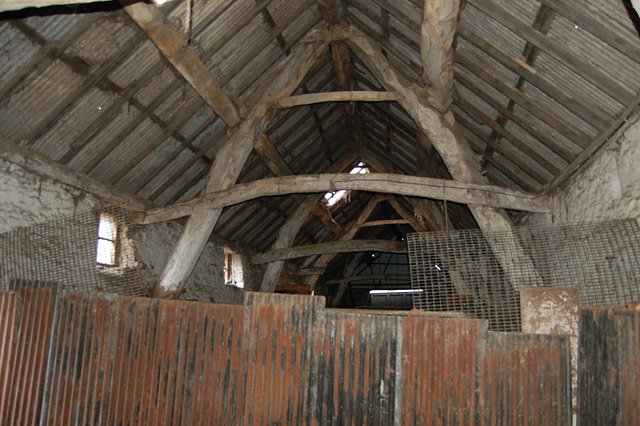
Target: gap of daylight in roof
<point>333,197</point>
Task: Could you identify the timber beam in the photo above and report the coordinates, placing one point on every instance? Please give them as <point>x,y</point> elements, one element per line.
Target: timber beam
<point>436,48</point>
<point>333,247</point>
<point>174,47</point>
<point>414,186</point>
<point>342,96</point>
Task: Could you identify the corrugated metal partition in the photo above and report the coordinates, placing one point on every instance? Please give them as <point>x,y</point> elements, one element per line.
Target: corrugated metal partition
<point>359,374</point>
<point>283,337</point>
<point>609,366</point>
<point>25,330</point>
<point>524,379</point>
<point>125,360</point>
<point>439,368</point>
<point>280,359</point>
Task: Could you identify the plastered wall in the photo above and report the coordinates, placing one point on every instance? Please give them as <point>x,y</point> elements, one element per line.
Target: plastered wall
<point>607,188</point>
<point>27,199</point>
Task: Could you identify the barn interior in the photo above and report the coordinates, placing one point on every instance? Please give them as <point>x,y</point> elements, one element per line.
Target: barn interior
<point>378,155</point>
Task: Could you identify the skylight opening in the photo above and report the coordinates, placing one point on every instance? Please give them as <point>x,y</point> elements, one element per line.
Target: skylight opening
<point>331,198</point>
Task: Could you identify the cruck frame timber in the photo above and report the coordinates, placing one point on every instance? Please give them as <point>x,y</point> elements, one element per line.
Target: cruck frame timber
<point>451,146</point>
<point>231,158</point>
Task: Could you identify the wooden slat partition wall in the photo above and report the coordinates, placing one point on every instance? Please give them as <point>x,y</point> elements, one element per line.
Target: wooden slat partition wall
<point>524,379</point>
<point>125,360</point>
<point>25,329</point>
<point>439,368</point>
<point>360,361</point>
<point>609,366</point>
<point>283,337</point>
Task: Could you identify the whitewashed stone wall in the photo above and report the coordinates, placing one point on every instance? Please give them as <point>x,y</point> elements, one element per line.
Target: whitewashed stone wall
<point>27,199</point>
<point>608,188</point>
<point>153,245</point>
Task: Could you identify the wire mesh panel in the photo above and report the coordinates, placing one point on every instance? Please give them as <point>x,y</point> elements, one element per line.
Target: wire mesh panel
<point>458,270</point>
<point>89,251</point>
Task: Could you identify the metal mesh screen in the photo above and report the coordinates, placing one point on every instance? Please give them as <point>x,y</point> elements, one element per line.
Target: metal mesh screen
<point>64,254</point>
<point>459,271</point>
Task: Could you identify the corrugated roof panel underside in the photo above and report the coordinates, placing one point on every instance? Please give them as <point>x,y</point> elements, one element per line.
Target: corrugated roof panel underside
<point>104,38</point>
<point>57,28</point>
<point>144,61</point>
<point>17,50</point>
<point>608,62</point>
<point>574,122</point>
<point>109,136</point>
<point>74,124</point>
<point>193,127</point>
<point>178,106</point>
<point>111,166</point>
<point>159,87</point>
<point>227,23</point>
<point>24,111</point>
<point>469,53</point>
<point>494,32</point>
<point>147,169</point>
<point>561,141</point>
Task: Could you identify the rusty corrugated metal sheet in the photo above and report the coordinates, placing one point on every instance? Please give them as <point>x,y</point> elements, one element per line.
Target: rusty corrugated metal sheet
<point>609,366</point>
<point>438,368</point>
<point>25,329</point>
<point>125,360</point>
<point>283,336</point>
<point>360,369</point>
<point>524,379</point>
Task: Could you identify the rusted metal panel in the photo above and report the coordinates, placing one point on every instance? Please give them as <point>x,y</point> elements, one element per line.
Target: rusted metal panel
<point>283,336</point>
<point>125,360</point>
<point>524,379</point>
<point>358,383</point>
<point>609,366</point>
<point>438,368</point>
<point>25,329</point>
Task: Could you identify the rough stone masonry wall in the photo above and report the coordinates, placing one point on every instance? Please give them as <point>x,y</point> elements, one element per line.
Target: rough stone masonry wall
<point>206,284</point>
<point>27,199</point>
<point>608,188</point>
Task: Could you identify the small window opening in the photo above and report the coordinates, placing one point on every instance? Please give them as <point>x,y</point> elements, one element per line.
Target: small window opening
<point>107,239</point>
<point>232,269</point>
<point>332,198</point>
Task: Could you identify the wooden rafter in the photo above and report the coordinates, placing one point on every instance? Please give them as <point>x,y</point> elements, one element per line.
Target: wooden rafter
<point>174,47</point>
